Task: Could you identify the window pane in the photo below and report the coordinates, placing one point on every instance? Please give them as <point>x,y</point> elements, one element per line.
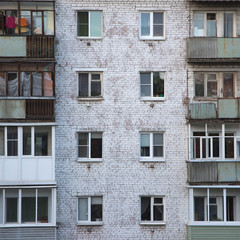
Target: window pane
<point>157,139</point>
<point>83,145</point>
<point>11,205</point>
<point>37,23</point>
<point>212,85</point>
<point>228,24</point>
<point>145,81</point>
<point>216,204</point>
<point>82,30</point>
<point>96,76</point>
<point>157,30</point>
<point>43,141</point>
<point>158,200</point>
<point>12,141</point>
<point>199,84</point>
<point>12,84</point>
<point>145,24</point>
<point>96,209</point>
<point>10,24</point>
<point>229,146</point>
<point>48,23</point>
<point>95,24</point>
<point>1,141</point>
<point>158,213</point>
<point>145,145</point>
<point>28,205</point>
<point>25,23</point>
<point>37,84</point>
<point>157,24</point>
<point>145,208</point>
<point>211,25</point>
<point>2,84</point>
<point>48,84</point>
<point>198,208</point>
<point>27,141</point>
<point>228,86</point>
<point>83,84</point>
<point>44,206</point>
<point>1,206</point>
<point>82,209</point>
<point>83,139</point>
<point>145,78</point>
<point>96,145</point>
<point>158,84</point>
<point>95,88</point>
<point>25,80</point>
<point>198,23</point>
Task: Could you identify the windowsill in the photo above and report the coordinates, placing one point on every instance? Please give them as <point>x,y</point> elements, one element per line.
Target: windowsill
<point>152,99</point>
<point>152,38</point>
<point>219,223</point>
<point>100,223</point>
<point>89,160</point>
<point>26,98</point>
<point>90,98</point>
<point>89,38</point>
<point>214,160</point>
<point>152,223</point>
<point>27,225</point>
<point>152,160</point>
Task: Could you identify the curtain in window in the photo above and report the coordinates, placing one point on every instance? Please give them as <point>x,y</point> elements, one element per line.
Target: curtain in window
<point>28,209</point>
<point>145,208</point>
<point>198,24</point>
<point>12,85</point>
<point>37,84</point>
<point>228,24</point>
<point>2,84</point>
<point>25,84</point>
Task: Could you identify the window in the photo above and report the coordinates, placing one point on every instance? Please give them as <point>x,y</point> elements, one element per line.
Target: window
<point>215,84</point>
<point>90,145</point>
<point>26,18</point>
<point>26,80</point>
<point>151,146</point>
<point>215,205</point>
<point>22,137</point>
<point>209,24</point>
<point>89,24</point>
<point>152,85</point>
<point>152,209</point>
<point>89,84</point>
<point>152,25</point>
<point>35,205</point>
<point>89,210</point>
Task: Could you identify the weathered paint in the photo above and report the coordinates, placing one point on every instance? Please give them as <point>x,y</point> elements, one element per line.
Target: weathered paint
<point>227,172</point>
<point>228,47</point>
<point>202,110</point>
<point>213,232</point>
<point>228,108</point>
<point>13,47</point>
<point>12,109</point>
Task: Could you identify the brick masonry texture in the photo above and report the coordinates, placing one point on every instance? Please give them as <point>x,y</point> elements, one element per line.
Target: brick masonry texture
<point>121,178</point>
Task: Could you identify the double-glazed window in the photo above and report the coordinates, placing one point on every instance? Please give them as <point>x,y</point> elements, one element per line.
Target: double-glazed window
<point>152,209</point>
<point>33,141</point>
<point>151,146</point>
<point>89,210</point>
<point>214,205</point>
<point>26,18</point>
<point>215,84</point>
<point>152,25</point>
<point>90,145</point>
<point>26,206</point>
<point>89,24</point>
<point>210,24</point>
<point>152,85</point>
<point>27,80</point>
<point>90,84</point>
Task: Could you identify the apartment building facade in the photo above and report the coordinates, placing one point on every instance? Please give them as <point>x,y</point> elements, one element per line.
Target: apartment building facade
<point>27,120</point>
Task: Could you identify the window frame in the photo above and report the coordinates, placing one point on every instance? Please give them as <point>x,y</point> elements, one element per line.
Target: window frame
<point>153,222</point>
<point>152,98</point>
<point>151,158</point>
<point>89,85</point>
<point>89,159</point>
<point>89,37</point>
<point>151,37</point>
<point>89,201</point>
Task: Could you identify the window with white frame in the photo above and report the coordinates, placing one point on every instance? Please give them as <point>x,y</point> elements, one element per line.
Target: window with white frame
<point>90,145</point>
<point>33,141</point>
<point>89,24</point>
<point>151,146</point>
<point>152,209</point>
<point>26,206</point>
<point>152,85</point>
<point>215,84</point>
<point>152,25</point>
<point>90,84</point>
<point>219,205</point>
<point>90,210</point>
<point>214,24</point>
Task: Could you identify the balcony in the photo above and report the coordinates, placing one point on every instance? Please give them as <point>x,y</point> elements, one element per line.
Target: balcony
<point>35,47</point>
<point>213,49</point>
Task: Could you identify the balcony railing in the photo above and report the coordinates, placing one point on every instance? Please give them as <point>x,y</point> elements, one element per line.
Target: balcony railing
<point>218,49</point>
<point>27,46</point>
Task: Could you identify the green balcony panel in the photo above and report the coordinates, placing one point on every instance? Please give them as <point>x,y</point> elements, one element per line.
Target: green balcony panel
<point>12,109</point>
<point>228,47</point>
<point>202,111</point>
<point>228,108</point>
<point>227,172</point>
<point>13,47</point>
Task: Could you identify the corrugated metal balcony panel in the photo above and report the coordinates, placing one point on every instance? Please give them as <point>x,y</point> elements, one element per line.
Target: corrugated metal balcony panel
<point>202,47</point>
<point>214,232</point>
<point>228,108</point>
<point>202,172</point>
<point>228,47</point>
<point>41,233</point>
<point>202,110</point>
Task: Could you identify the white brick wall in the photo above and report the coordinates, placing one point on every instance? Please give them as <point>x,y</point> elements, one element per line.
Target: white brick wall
<point>120,178</point>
